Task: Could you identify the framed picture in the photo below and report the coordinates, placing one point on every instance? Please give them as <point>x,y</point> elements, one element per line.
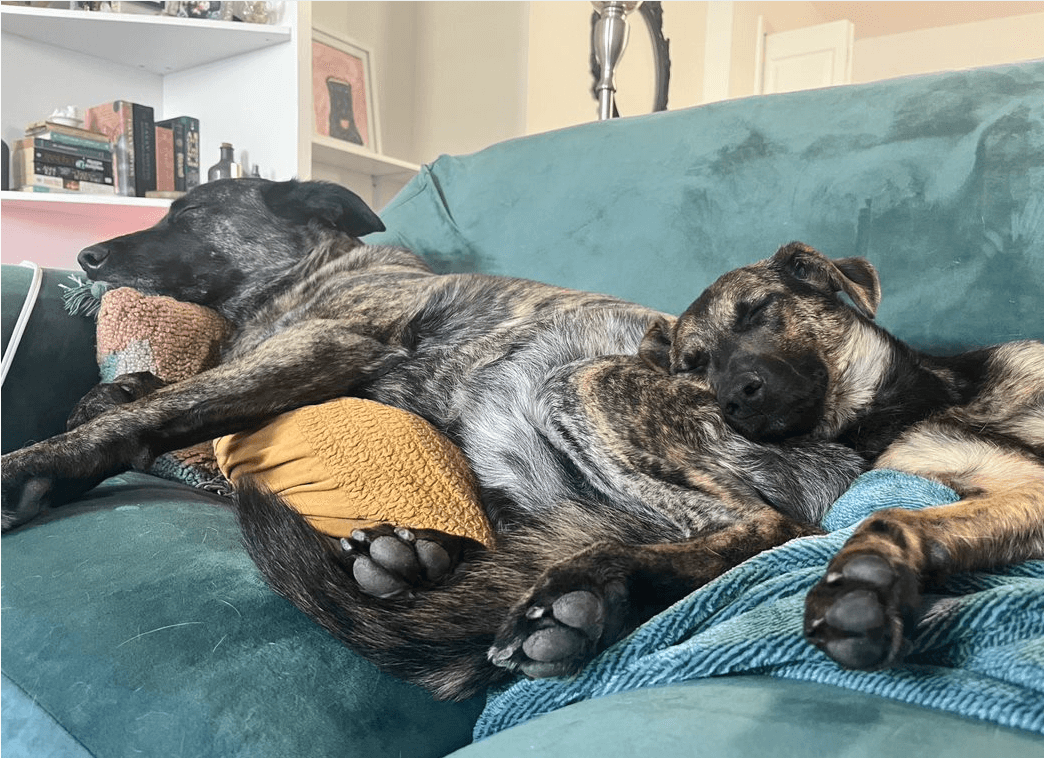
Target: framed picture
<point>344,100</point>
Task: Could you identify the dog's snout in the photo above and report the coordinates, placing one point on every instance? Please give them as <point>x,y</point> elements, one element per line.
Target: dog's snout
<point>751,384</point>
<point>767,397</point>
<point>744,395</point>
<point>92,259</point>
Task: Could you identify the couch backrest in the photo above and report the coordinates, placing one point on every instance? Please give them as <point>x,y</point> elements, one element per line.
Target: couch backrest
<point>938,180</point>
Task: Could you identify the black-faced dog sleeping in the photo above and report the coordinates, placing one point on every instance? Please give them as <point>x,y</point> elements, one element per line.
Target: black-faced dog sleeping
<point>613,488</point>
<point>614,482</point>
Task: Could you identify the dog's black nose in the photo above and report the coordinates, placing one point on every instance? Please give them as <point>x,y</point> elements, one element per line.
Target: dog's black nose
<point>92,258</point>
<point>751,384</point>
<point>745,396</point>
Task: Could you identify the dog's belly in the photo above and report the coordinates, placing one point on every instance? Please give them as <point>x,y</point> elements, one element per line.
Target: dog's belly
<point>488,394</point>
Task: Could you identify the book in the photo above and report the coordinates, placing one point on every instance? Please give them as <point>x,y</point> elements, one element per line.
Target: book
<point>41,128</point>
<point>34,165</point>
<point>164,160</point>
<point>100,150</point>
<point>71,136</point>
<point>66,185</point>
<point>130,129</point>
<point>186,151</point>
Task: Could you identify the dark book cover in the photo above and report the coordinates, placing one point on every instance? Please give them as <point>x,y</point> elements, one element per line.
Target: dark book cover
<point>186,150</point>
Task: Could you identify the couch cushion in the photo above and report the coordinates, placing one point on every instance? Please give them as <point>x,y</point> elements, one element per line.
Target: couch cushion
<point>140,625</point>
<point>741,717</point>
<point>938,180</point>
<point>36,406</point>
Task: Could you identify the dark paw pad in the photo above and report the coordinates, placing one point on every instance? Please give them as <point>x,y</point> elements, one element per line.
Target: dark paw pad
<point>391,560</point>
<point>554,636</point>
<point>856,614</point>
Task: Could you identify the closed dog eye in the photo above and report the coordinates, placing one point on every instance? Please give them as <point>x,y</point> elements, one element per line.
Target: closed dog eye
<point>695,362</point>
<point>750,315</point>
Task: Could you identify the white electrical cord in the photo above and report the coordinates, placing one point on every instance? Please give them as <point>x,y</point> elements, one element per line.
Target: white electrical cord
<point>23,318</point>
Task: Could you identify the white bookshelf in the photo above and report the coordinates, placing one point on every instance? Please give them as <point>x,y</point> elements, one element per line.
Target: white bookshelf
<point>329,150</point>
<point>158,44</point>
<point>73,202</point>
<point>248,84</point>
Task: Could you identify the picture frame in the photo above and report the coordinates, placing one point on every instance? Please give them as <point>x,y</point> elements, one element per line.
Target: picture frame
<point>344,98</point>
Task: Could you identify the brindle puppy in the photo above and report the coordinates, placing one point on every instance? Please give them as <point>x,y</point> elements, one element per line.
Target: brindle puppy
<point>613,488</point>
<point>786,358</point>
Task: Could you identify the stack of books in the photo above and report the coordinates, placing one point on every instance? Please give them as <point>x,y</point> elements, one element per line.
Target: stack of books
<point>120,150</point>
<point>54,157</point>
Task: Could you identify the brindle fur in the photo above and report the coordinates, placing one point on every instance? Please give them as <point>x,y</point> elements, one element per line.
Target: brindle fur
<point>613,488</point>
<point>786,357</point>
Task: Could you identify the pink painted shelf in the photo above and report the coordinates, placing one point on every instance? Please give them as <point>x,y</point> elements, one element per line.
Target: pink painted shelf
<point>51,229</point>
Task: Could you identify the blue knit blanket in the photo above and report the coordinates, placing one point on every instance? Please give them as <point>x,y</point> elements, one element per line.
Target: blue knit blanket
<point>978,650</point>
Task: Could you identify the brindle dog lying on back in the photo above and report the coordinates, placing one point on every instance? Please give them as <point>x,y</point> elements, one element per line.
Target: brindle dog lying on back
<point>786,362</point>
<point>614,487</point>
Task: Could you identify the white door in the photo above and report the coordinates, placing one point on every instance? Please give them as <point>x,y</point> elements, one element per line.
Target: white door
<point>816,56</point>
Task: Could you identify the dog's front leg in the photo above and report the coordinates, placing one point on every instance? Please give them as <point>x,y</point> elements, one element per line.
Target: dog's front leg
<point>582,605</point>
<point>863,610</point>
<point>309,363</point>
<point>103,397</point>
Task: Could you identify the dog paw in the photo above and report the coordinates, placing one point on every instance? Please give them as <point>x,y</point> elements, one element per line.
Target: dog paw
<point>563,623</point>
<point>857,612</point>
<point>123,389</point>
<point>23,499</point>
<point>390,560</point>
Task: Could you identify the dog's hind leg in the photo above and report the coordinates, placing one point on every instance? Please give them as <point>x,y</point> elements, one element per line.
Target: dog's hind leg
<point>858,612</point>
<point>388,560</point>
<point>308,363</point>
<point>584,603</point>
<point>436,638</point>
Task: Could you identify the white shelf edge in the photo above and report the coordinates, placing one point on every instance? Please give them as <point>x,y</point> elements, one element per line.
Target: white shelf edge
<point>41,200</point>
<point>335,152</point>
<point>52,26</point>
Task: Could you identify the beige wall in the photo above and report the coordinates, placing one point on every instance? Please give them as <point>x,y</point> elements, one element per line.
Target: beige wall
<point>984,43</point>
<point>450,75</point>
<point>454,77</point>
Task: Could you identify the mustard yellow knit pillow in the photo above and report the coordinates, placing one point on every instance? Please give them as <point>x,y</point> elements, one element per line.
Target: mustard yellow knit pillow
<point>352,463</point>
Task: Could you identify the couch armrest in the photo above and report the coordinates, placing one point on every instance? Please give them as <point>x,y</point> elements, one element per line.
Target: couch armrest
<point>54,365</point>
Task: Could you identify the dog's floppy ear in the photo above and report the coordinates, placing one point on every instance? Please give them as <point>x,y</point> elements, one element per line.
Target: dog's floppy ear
<point>330,204</point>
<point>655,349</point>
<point>856,277</point>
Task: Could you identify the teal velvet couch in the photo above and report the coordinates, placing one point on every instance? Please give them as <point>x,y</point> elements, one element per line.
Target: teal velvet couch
<point>134,624</point>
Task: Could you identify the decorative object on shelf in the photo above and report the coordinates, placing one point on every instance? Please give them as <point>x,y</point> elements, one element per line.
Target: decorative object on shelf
<point>609,33</point>
<point>226,168</point>
<point>249,12</point>
<point>69,115</point>
<point>343,96</point>
<point>110,6</point>
<point>210,10</point>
